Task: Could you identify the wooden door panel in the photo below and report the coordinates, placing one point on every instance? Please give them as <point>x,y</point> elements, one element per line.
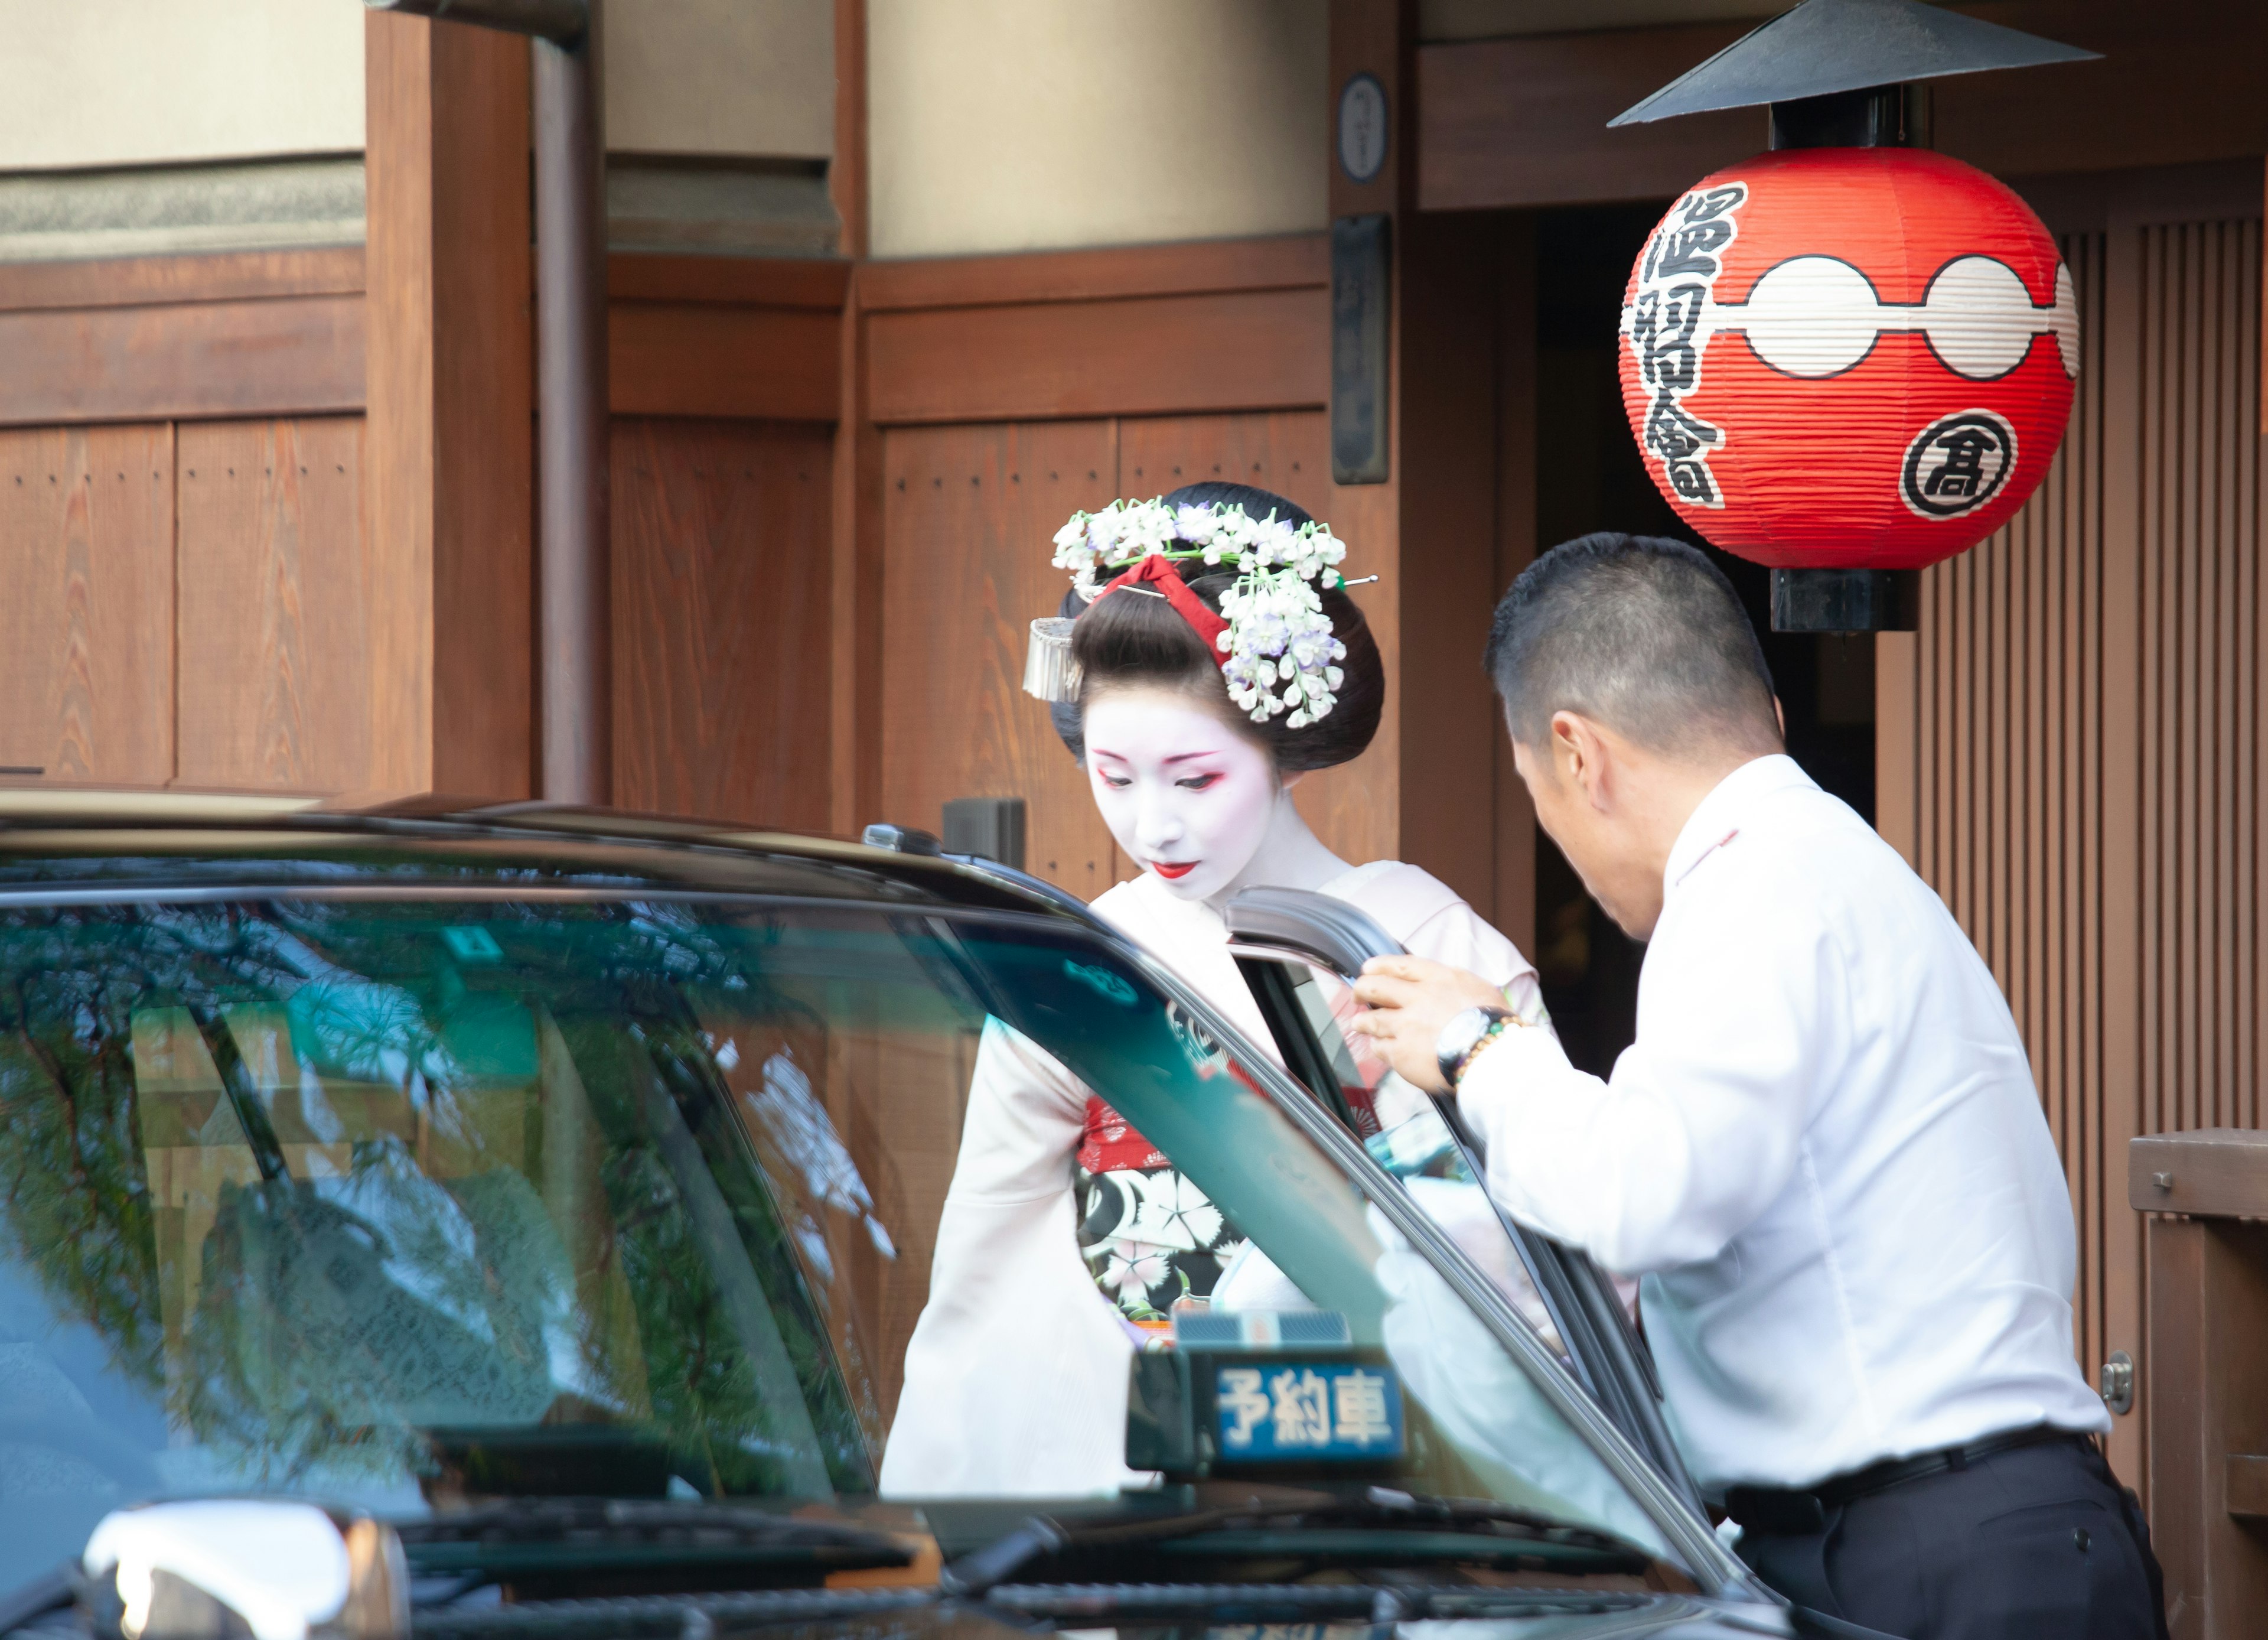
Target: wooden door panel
<point>968,515</point>
<point>274,573</point>
<point>720,619</point>
<point>86,631</point>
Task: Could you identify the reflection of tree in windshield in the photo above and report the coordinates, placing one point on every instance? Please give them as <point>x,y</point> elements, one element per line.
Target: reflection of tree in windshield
<point>322,1186</point>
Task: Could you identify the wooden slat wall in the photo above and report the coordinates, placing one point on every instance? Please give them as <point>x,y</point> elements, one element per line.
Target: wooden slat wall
<point>2198,606</point>
<point>2070,748</point>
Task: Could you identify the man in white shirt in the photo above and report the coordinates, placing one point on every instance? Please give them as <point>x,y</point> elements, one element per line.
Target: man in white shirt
<point>1824,1153</point>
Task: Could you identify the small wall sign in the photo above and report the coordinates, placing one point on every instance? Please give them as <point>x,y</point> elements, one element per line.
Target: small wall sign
<point>1362,128</point>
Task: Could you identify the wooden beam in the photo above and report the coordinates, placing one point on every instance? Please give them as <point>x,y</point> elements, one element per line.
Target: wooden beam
<point>2217,1171</point>
<point>284,356</point>
<point>854,589</point>
<point>709,359</point>
<point>1260,349</point>
<point>1427,790</point>
<point>450,451</point>
<point>1291,261</point>
<point>153,281</point>
<point>738,281</point>
<point>1522,122</point>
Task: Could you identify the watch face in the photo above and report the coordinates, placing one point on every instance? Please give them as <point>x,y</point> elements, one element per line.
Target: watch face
<point>1458,1035</point>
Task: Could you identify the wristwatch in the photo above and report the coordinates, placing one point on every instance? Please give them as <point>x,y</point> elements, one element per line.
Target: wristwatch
<point>1467,1034</point>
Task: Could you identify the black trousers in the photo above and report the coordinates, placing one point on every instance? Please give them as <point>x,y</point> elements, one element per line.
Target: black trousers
<point>2034,1542</point>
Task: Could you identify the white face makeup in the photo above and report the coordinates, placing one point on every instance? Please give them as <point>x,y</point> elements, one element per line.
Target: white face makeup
<point>1188,798</point>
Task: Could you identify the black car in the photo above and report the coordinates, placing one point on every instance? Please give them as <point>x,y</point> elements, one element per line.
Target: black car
<point>514,1221</point>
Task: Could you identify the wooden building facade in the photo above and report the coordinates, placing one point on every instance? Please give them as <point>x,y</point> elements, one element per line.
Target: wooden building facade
<point>269,516</point>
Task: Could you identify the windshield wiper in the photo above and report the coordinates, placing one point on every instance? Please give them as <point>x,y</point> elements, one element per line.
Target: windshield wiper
<point>557,1539</point>
<point>1238,1603</point>
<point>659,1617</point>
<point>1275,1527</point>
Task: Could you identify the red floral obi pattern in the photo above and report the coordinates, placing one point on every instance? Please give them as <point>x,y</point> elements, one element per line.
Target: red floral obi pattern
<point>1110,1145</point>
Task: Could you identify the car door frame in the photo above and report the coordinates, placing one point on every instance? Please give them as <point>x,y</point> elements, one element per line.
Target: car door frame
<point>1273,931</point>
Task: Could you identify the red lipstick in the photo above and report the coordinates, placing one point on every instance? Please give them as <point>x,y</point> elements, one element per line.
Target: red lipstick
<point>1170,870</point>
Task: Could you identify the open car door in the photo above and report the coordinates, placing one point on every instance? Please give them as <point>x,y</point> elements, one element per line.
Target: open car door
<point>1298,951</point>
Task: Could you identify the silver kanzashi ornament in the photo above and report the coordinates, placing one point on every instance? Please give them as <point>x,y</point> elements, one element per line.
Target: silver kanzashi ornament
<point>1049,673</point>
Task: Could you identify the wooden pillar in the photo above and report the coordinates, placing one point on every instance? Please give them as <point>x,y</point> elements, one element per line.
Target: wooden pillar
<point>449,439</point>
<point>1516,547</point>
<point>855,732</point>
<point>1428,791</point>
<point>2204,1193</point>
<point>2124,976</point>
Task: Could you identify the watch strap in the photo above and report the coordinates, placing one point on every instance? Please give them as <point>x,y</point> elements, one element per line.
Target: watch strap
<point>1465,1035</point>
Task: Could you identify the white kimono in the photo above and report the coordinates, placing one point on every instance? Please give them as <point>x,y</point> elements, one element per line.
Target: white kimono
<point>1015,1380</point>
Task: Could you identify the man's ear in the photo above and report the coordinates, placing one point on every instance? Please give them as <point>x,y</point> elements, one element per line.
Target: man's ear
<point>1577,752</point>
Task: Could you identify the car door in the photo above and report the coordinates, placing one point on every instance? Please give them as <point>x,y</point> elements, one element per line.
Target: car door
<point>1287,942</point>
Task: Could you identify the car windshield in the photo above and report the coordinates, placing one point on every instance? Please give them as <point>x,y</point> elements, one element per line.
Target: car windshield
<point>402,1202</point>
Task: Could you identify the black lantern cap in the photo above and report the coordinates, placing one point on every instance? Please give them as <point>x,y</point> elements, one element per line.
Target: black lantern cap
<point>1824,47</point>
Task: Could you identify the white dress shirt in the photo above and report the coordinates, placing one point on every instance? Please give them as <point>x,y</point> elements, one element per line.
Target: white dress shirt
<point>1824,1153</point>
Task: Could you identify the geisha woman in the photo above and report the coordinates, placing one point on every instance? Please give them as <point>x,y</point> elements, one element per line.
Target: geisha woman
<point>1214,658</point>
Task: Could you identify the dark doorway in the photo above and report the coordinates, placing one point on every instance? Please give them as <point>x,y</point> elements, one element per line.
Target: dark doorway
<point>1589,476</point>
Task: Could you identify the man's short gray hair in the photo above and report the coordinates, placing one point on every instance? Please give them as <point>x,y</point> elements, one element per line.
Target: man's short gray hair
<point>1642,634</point>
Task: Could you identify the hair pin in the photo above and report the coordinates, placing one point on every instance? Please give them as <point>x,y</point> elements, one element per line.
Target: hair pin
<point>1361,581</point>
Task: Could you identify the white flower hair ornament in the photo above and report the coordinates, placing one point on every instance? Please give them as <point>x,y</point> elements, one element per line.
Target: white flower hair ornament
<point>1274,643</point>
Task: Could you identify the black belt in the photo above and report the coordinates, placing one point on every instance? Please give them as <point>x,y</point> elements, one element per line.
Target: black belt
<point>1778,1512</point>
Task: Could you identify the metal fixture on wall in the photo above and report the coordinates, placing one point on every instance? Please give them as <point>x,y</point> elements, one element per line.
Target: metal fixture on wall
<point>2118,1384</point>
<point>574,627</point>
<point>991,828</point>
<point>1362,263</point>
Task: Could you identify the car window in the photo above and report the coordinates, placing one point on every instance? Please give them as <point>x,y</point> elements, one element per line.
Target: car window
<point>1403,1130</point>
<point>398,1201</point>
<point>1298,1231</point>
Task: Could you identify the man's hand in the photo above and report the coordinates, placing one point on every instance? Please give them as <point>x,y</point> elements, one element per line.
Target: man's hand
<point>1411,1000</point>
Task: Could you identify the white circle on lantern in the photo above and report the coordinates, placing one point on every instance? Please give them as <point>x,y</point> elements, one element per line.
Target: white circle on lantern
<point>2066,320</point>
<point>1816,316</point>
<point>1362,128</point>
<point>1811,316</point>
<point>1979,317</point>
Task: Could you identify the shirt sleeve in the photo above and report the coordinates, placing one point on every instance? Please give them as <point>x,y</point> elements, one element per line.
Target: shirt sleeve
<point>1457,935</point>
<point>1700,1127</point>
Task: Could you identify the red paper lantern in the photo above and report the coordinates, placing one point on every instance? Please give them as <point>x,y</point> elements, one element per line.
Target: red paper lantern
<point>1849,358</point>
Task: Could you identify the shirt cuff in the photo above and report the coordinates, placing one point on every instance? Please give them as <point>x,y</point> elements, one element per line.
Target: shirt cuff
<point>1508,1071</point>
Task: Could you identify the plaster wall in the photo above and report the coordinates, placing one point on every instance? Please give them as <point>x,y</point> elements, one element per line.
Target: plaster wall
<point>722,78</point>
<point>1005,125</point>
<point>110,84</point>
<point>114,83</point>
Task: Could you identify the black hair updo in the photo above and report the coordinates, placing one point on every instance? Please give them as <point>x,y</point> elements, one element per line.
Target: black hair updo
<point>1124,641</point>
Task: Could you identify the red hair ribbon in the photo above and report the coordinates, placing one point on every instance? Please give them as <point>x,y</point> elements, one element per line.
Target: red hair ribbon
<point>1159,568</point>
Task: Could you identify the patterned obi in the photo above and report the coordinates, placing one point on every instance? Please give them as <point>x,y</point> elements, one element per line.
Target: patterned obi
<point>1149,1234</point>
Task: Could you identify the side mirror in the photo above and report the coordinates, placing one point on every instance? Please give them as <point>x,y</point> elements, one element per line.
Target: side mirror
<point>207,1569</point>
